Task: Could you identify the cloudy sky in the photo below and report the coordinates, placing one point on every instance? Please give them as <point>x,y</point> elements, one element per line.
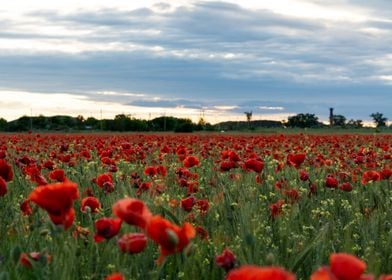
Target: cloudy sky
<point>188,58</point>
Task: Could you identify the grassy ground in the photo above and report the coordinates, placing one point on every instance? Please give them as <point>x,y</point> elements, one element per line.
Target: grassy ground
<point>309,228</point>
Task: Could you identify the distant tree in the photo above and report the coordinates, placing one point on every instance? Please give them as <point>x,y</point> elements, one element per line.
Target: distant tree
<point>339,120</point>
<point>41,122</point>
<point>184,125</point>
<point>21,124</point>
<point>80,122</point>
<point>354,123</point>
<point>303,120</point>
<point>92,123</point>
<point>379,119</point>
<point>3,124</point>
<point>201,124</point>
<point>124,122</point>
<point>163,123</point>
<point>121,122</point>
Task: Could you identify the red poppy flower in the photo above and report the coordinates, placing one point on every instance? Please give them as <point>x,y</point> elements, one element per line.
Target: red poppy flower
<point>385,174</point>
<point>25,259</point>
<point>233,156</point>
<point>276,208</point>
<point>49,164</point>
<point>108,187</point>
<point>150,171</point>
<point>191,161</point>
<point>331,182</point>
<point>57,175</point>
<point>106,160</point>
<point>91,202</point>
<point>303,175</point>
<point>370,175</point>
<point>181,152</point>
<point>26,208</point>
<point>3,187</point>
<point>6,171</point>
<point>187,203</point>
<point>347,187</point>
<point>255,165</point>
<point>293,194</point>
<point>226,260</point>
<point>106,228</point>
<point>201,232</point>
<point>171,238</point>
<point>226,165</point>
<point>296,159</point>
<point>35,175</point>
<point>250,272</point>
<point>346,267</point>
<point>132,243</point>
<point>115,276</point>
<point>161,170</point>
<point>165,149</point>
<point>202,205</point>
<point>323,273</point>
<point>57,199</point>
<point>312,189</point>
<point>145,186</point>
<point>104,178</point>
<point>132,211</point>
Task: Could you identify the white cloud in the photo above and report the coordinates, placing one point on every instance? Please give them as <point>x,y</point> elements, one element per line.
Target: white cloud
<point>308,9</point>
<point>225,108</point>
<point>278,108</point>
<point>386,77</point>
<point>15,104</point>
<point>115,93</point>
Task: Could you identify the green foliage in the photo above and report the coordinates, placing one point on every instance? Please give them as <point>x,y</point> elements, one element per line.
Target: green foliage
<point>303,120</point>
<point>121,122</point>
<point>3,124</point>
<point>379,119</point>
<point>339,120</point>
<point>184,125</point>
<point>354,124</point>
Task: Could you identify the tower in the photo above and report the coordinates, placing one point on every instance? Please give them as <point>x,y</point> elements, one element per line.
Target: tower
<point>331,117</point>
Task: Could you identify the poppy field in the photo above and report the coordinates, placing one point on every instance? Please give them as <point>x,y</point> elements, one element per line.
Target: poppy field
<point>195,206</point>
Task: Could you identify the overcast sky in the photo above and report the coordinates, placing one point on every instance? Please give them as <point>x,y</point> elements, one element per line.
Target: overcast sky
<point>185,58</point>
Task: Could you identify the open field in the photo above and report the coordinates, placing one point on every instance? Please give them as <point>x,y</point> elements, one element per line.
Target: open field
<point>289,200</point>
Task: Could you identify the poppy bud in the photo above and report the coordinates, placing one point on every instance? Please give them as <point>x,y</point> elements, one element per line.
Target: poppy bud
<point>173,238</point>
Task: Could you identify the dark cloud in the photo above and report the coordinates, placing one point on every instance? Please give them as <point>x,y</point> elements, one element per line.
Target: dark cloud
<point>210,54</point>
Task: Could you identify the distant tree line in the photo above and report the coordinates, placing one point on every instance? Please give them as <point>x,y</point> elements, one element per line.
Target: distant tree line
<point>124,122</point>
<point>311,121</point>
<point>121,122</point>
